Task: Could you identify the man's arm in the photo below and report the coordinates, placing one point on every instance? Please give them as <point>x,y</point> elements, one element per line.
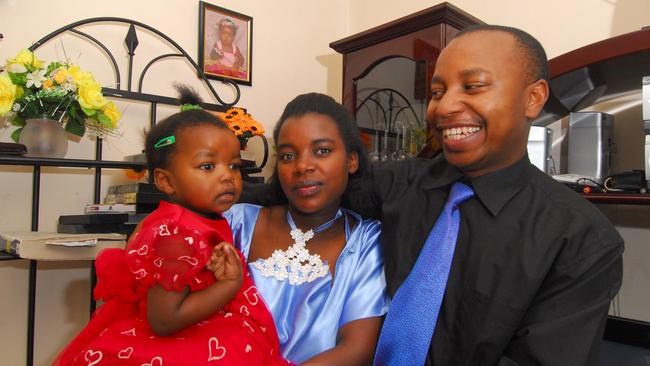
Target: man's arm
<point>565,324</point>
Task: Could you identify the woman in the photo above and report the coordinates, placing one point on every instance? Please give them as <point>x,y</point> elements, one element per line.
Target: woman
<point>318,266</point>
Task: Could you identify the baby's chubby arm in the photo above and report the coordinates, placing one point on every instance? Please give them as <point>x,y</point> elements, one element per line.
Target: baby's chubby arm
<point>171,311</point>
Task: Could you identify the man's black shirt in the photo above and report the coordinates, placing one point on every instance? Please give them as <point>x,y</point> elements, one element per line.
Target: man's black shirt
<point>534,269</point>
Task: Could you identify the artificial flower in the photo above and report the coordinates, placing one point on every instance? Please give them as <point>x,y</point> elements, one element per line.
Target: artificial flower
<point>35,78</point>
<point>7,94</point>
<point>26,58</point>
<point>90,96</point>
<point>59,91</point>
<point>48,84</point>
<point>80,77</point>
<point>61,75</point>
<point>242,125</point>
<point>16,68</point>
<point>111,111</point>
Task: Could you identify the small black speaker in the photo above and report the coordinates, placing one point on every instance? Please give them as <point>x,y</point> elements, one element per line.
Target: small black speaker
<point>633,180</point>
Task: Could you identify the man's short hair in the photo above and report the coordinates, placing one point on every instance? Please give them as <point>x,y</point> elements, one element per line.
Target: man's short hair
<point>532,50</point>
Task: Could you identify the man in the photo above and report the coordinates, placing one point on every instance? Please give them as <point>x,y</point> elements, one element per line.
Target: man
<point>535,266</point>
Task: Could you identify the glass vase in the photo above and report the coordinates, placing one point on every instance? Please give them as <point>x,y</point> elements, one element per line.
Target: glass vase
<point>44,138</point>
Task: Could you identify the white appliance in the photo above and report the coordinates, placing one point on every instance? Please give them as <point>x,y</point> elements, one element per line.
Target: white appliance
<point>645,105</point>
<point>539,147</point>
<point>590,144</point>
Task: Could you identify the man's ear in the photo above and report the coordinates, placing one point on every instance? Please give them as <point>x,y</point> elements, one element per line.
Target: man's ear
<point>353,162</point>
<point>162,180</point>
<point>537,93</point>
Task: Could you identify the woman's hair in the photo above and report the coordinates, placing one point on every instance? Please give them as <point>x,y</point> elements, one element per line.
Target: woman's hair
<point>158,152</point>
<point>327,106</point>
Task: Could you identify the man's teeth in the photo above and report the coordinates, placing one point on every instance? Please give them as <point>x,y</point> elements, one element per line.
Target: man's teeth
<point>458,133</point>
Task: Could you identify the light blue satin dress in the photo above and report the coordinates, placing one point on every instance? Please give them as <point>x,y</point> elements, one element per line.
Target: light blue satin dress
<point>308,316</point>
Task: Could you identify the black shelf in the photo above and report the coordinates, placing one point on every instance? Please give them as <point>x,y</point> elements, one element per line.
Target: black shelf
<point>628,331</point>
<point>77,163</point>
<point>4,256</point>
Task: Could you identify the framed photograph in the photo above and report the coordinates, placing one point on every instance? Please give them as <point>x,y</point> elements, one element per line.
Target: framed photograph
<point>225,44</point>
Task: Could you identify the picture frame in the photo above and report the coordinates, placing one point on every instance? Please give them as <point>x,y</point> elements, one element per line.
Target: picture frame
<point>217,59</point>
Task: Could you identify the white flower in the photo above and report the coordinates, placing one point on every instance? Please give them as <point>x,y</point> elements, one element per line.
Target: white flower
<point>35,79</point>
<point>15,107</point>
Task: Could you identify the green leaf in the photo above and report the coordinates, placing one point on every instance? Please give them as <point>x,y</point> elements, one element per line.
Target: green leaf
<point>27,92</point>
<point>18,79</point>
<point>16,134</point>
<point>73,111</point>
<point>18,121</point>
<point>75,127</point>
<point>104,120</point>
<point>88,112</point>
<point>53,66</point>
<point>30,110</point>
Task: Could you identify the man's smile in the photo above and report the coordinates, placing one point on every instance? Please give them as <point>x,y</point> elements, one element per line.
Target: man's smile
<point>457,133</point>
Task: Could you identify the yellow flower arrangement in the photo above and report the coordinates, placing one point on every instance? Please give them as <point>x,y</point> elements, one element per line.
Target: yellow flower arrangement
<point>61,91</point>
<point>242,124</point>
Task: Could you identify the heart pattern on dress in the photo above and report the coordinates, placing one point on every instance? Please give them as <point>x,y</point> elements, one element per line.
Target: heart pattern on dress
<point>250,329</point>
<point>191,260</point>
<point>125,353</point>
<point>244,310</point>
<point>163,230</point>
<point>217,352</point>
<point>156,361</point>
<point>251,295</point>
<point>93,357</point>
<point>248,348</point>
<point>141,273</point>
<point>189,240</point>
<point>158,262</point>
<point>143,250</point>
<point>130,332</point>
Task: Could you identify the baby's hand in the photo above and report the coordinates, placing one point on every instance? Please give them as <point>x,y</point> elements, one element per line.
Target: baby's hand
<point>225,263</point>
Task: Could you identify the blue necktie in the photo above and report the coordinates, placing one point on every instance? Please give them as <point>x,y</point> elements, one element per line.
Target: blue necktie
<point>411,319</point>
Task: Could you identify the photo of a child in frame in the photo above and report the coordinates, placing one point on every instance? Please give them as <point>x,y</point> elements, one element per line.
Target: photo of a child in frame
<point>226,44</point>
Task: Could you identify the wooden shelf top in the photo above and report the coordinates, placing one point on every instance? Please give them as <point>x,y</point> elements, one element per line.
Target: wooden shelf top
<point>618,198</point>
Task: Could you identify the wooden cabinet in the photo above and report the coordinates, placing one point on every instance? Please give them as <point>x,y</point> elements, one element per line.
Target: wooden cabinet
<point>387,69</point>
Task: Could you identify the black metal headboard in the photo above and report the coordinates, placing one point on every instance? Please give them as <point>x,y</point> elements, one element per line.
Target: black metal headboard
<point>131,41</point>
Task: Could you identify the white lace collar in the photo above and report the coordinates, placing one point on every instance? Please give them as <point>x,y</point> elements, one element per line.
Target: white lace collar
<point>296,263</point>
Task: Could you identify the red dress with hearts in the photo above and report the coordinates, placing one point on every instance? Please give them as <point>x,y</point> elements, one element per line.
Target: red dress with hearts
<point>171,248</point>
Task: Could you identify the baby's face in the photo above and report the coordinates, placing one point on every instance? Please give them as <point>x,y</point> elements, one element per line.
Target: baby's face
<point>205,169</point>
<point>226,34</point>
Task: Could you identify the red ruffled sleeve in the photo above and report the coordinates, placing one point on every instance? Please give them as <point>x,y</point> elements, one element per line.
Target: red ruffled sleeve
<point>170,254</point>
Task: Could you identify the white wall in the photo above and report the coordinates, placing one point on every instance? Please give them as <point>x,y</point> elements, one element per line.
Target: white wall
<point>561,26</point>
<point>291,56</point>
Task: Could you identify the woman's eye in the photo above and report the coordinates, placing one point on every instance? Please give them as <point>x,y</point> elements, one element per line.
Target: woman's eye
<point>287,156</point>
<point>235,166</point>
<point>323,151</point>
<point>206,166</point>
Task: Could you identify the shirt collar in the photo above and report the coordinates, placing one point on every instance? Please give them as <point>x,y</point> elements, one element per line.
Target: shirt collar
<point>494,190</point>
